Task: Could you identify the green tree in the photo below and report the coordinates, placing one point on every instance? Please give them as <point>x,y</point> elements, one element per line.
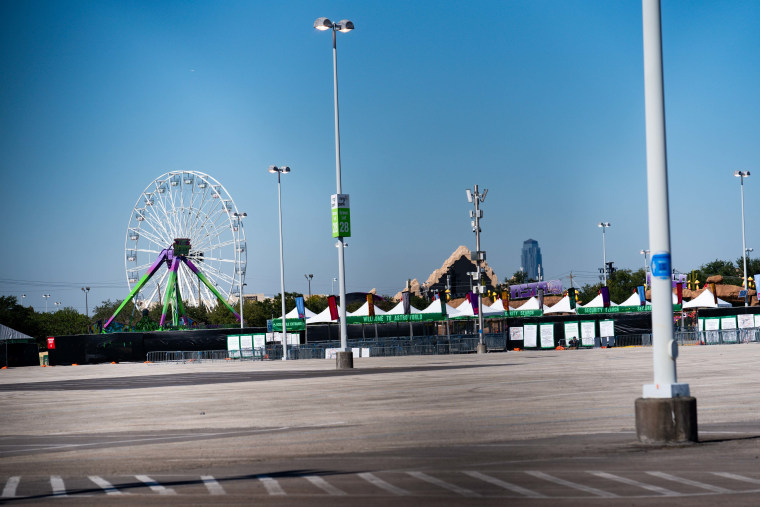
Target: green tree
<point>517,277</point>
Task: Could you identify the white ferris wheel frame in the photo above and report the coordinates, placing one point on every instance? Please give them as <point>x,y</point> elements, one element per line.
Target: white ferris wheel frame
<point>194,205</point>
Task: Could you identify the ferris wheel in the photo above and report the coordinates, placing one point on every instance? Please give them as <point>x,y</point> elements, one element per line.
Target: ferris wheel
<point>185,205</point>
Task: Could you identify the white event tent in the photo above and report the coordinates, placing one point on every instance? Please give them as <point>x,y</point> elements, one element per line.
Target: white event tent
<point>465,310</point>
<point>293,314</point>
<point>706,300</point>
<point>399,309</point>
<point>363,311</point>
<point>597,303</point>
<point>634,300</point>
<point>562,306</point>
<point>531,304</point>
<point>322,317</point>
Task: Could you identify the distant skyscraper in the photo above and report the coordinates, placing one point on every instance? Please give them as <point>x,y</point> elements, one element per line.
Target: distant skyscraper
<point>531,259</point>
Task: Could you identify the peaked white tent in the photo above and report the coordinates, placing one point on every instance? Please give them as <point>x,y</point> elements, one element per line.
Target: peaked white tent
<point>531,304</point>
<point>706,300</point>
<point>562,306</point>
<point>363,311</point>
<point>293,314</point>
<point>498,306</point>
<point>634,300</point>
<point>399,309</point>
<point>322,317</point>
<point>436,307</point>
<point>465,310</point>
<point>597,302</point>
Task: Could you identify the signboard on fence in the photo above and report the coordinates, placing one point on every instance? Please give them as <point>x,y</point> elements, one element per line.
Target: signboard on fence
<point>571,331</point>
<point>292,325</point>
<point>530,335</point>
<point>547,336</point>
<point>588,333</point>
<point>516,334</point>
<point>606,328</point>
<point>233,346</point>
<point>246,345</point>
<point>746,321</point>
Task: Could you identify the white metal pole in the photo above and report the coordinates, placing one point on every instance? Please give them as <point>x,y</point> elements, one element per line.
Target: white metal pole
<point>744,246</point>
<point>341,244</point>
<point>604,255</point>
<point>240,263</point>
<point>284,333</point>
<point>664,348</point>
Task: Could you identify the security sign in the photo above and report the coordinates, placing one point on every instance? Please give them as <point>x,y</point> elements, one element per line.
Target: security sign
<point>341,215</point>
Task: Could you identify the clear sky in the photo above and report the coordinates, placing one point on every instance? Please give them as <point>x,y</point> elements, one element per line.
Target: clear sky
<point>541,102</point>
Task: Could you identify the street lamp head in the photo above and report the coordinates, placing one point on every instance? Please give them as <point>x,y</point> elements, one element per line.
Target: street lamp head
<point>345,25</point>
<point>274,169</point>
<point>323,24</point>
<point>740,174</point>
<point>603,224</point>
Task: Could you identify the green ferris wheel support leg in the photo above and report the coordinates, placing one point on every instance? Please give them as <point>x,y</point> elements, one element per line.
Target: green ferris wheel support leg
<point>203,279</point>
<point>146,277</point>
<point>171,286</point>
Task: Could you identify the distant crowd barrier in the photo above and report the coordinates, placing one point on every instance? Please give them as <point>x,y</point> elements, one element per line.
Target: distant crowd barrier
<point>429,345</point>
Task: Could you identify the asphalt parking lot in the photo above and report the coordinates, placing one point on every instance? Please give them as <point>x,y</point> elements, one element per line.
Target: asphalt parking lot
<point>532,428</point>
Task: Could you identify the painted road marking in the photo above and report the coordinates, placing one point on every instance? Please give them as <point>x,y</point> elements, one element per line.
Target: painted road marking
<point>155,486</point>
<point>377,481</point>
<point>59,488</point>
<point>213,486</point>
<point>736,477</point>
<point>708,487</point>
<point>506,485</point>
<point>580,487</point>
<point>631,482</point>
<point>105,485</point>
<point>443,484</point>
<point>324,485</point>
<point>273,487</point>
<point>9,491</point>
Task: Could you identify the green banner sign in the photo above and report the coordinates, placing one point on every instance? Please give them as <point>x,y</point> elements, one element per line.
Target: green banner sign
<point>620,309</point>
<point>292,325</point>
<point>341,215</point>
<point>381,319</point>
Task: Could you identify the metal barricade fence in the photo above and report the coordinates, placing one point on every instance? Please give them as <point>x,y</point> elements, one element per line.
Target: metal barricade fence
<point>437,345</point>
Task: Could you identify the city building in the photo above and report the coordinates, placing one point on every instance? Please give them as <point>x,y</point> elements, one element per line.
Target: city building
<point>530,259</point>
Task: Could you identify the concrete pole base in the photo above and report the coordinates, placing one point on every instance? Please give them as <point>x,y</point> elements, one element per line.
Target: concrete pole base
<point>482,348</point>
<point>666,420</point>
<point>344,360</point>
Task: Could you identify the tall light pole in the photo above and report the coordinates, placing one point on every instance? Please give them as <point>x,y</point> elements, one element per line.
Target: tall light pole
<point>279,171</point>
<point>344,26</point>
<point>86,291</point>
<point>475,197</point>
<point>308,279</point>
<point>645,253</point>
<point>57,305</point>
<point>604,226</point>
<point>665,412</point>
<point>741,175</point>
<point>239,216</point>
<point>46,296</point>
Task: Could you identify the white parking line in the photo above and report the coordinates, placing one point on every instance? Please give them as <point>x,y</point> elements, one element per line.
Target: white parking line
<point>377,481</point>
<point>272,486</point>
<point>580,487</point>
<point>506,485</point>
<point>9,491</point>
<point>59,488</point>
<point>708,487</point>
<point>443,484</point>
<point>155,486</point>
<point>213,486</point>
<point>631,482</point>
<point>736,477</point>
<point>105,485</point>
<point>324,485</point>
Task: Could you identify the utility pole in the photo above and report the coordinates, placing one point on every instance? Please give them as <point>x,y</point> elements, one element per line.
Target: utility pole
<point>476,198</point>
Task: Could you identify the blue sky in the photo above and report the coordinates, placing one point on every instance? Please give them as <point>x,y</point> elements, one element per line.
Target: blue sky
<point>541,102</point>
